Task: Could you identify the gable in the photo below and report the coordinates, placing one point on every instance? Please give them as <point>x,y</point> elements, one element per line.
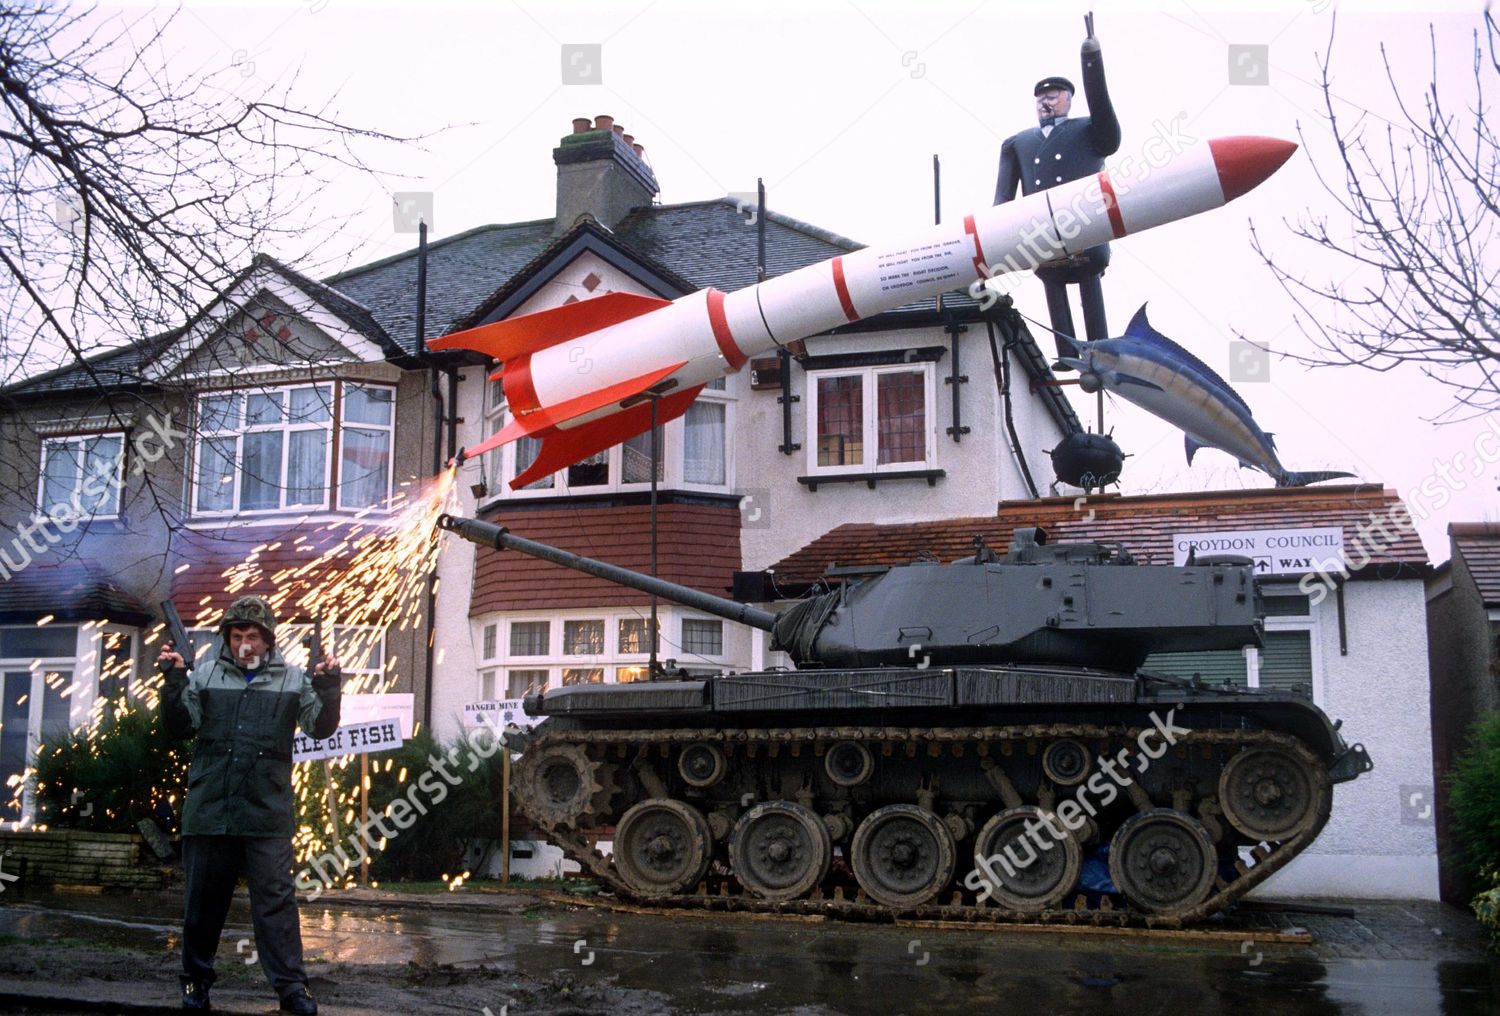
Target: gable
<point>266,333</point>
<point>586,276</point>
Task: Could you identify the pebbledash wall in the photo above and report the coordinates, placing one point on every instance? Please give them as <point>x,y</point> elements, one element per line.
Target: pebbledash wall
<point>1381,840</point>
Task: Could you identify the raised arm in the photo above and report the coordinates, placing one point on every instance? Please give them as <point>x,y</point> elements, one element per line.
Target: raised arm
<point>1104,126</point>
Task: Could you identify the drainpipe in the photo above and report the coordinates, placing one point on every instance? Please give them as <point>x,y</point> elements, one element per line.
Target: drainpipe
<point>437,459</point>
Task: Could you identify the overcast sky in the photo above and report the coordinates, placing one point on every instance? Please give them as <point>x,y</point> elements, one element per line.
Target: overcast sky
<point>840,108</point>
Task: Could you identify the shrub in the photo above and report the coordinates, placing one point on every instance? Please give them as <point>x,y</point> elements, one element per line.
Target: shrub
<point>106,778</point>
<point>1475,797</point>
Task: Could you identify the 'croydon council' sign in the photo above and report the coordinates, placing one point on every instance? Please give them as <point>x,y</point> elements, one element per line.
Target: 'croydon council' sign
<point>1273,551</point>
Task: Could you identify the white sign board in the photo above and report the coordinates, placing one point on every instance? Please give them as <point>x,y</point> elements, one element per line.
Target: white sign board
<point>355,739</point>
<point>364,708</point>
<point>496,713</point>
<point>1273,551</point>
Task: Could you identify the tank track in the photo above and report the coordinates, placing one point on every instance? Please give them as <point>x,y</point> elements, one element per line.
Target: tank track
<point>631,765</point>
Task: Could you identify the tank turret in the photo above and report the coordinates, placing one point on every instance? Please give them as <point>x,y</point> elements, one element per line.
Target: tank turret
<point>1076,604</point>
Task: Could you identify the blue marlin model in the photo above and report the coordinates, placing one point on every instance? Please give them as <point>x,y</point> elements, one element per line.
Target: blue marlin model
<point>1149,369</point>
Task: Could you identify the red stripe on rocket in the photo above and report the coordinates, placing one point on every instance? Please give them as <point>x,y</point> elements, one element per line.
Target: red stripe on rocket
<point>579,377</point>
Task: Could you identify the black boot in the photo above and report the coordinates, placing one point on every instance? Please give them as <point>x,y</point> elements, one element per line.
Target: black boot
<point>194,994</point>
<point>300,1002</point>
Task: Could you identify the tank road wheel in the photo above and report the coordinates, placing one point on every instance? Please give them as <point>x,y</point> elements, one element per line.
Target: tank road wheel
<point>557,783</point>
<point>662,847</point>
<point>701,765</point>
<point>849,763</point>
<point>1066,762</point>
<point>1021,875</point>
<point>780,850</point>
<point>903,856</point>
<point>1163,861</point>
<point>1271,794</point>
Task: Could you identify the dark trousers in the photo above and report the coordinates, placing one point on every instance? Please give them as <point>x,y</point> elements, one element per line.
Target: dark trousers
<point>212,865</point>
<point>1084,272</point>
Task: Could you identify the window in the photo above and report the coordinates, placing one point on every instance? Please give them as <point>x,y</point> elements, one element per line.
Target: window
<point>702,637</point>
<point>693,452</point>
<point>365,445</point>
<point>269,449</point>
<point>633,635</point>
<point>870,419</point>
<point>36,677</point>
<point>530,638</point>
<point>583,638</point>
<point>84,473</point>
<point>360,650</point>
<point>522,655</point>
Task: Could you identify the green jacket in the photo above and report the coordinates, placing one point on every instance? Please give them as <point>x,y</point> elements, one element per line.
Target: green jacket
<point>240,782</point>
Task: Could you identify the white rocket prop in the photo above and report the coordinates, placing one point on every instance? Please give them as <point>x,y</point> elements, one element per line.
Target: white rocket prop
<point>579,377</point>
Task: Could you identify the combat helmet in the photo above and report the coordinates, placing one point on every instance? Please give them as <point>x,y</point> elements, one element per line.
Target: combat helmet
<point>250,610</point>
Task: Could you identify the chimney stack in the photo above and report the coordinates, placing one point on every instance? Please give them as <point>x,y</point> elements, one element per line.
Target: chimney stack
<point>602,173</point>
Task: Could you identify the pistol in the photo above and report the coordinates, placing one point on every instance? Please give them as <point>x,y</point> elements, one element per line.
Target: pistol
<point>313,643</point>
<point>182,642</point>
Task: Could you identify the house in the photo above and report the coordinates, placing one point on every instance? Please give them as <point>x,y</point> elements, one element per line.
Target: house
<point>1463,619</point>
<point>280,419</point>
<point>1352,639</point>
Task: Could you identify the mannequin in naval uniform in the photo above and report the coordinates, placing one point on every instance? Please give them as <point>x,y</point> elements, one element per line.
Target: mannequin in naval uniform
<point>1062,148</point>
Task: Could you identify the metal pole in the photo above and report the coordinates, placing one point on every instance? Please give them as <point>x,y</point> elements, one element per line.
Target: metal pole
<point>505,816</point>
<point>655,458</point>
<point>364,814</point>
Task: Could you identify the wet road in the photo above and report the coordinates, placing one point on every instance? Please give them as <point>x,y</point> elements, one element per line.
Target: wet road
<point>740,966</point>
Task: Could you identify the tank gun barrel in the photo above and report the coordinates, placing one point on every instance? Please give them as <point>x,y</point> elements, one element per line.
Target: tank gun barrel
<point>487,534</point>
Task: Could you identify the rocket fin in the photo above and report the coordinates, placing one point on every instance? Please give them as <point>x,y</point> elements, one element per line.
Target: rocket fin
<point>562,448</point>
<point>530,332</point>
<point>552,416</point>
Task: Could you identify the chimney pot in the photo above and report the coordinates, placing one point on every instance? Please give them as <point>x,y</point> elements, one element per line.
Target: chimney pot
<point>581,124</point>
<point>618,129</point>
<point>640,150</point>
<point>629,139</point>
<point>603,123</point>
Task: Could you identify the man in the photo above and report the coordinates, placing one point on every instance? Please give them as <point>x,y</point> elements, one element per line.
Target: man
<point>244,704</point>
<point>1062,148</point>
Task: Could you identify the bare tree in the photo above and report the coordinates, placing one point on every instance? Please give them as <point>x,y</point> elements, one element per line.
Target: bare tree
<point>1422,206</point>
<point>130,195</point>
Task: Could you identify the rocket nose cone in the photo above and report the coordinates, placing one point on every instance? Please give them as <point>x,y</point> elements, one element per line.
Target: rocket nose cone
<point>1244,162</point>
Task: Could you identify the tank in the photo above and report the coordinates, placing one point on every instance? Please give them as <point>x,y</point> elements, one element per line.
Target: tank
<point>966,741</point>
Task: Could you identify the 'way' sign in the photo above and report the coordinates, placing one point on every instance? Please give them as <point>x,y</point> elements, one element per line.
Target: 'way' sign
<point>1273,551</point>
<point>355,739</point>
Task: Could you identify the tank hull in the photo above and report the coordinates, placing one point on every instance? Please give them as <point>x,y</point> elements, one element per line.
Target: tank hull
<point>970,793</point>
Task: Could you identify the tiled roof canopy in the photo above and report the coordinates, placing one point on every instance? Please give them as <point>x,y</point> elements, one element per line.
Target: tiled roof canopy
<point>1144,525</point>
<point>1478,543</point>
<point>69,591</point>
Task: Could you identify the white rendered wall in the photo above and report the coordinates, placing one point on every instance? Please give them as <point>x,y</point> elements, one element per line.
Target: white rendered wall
<point>1380,840</point>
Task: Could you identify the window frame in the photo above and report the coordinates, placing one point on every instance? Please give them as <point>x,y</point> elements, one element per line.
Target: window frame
<point>333,428</point>
<point>117,485</point>
<point>870,418</point>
